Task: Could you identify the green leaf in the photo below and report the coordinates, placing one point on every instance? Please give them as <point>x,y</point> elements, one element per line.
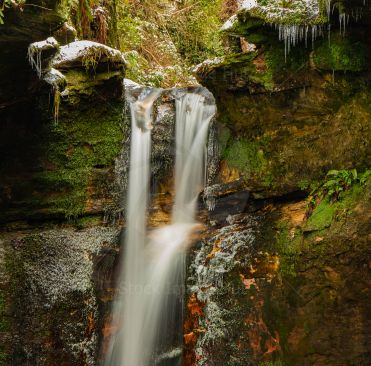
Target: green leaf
<point>332,173</point>
<point>331,182</point>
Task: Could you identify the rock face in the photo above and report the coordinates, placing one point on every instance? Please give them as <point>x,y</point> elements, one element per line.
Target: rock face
<point>288,119</point>
<point>280,278</point>
<point>51,280</point>
<point>77,150</point>
<point>59,153</point>
<point>268,286</point>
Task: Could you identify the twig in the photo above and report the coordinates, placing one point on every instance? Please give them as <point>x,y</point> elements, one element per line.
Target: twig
<point>151,54</point>
<point>36,6</point>
<point>185,9</point>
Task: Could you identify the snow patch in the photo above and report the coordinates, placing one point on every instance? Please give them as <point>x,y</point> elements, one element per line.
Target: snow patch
<point>76,51</point>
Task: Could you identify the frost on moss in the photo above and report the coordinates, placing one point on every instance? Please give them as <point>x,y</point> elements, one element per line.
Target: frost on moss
<point>213,280</point>
<point>87,54</point>
<point>291,12</point>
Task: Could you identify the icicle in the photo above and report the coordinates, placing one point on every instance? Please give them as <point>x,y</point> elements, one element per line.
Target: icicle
<point>314,30</point>
<point>35,50</point>
<point>328,8</point>
<point>306,36</point>
<point>34,58</point>
<point>342,20</point>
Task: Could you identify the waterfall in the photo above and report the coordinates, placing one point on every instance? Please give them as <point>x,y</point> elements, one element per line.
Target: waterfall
<point>147,310</point>
<point>129,306</point>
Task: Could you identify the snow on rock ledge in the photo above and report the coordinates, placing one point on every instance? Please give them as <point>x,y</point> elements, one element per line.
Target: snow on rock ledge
<point>55,78</point>
<point>274,12</point>
<point>206,66</point>
<point>87,54</point>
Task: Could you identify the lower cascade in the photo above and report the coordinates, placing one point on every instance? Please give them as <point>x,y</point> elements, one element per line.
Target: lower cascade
<point>147,311</point>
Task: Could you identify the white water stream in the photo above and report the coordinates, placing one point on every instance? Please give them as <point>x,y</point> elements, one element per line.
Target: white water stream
<point>154,263</point>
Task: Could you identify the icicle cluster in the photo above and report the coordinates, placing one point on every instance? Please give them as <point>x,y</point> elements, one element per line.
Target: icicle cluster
<point>343,19</point>
<point>35,50</point>
<point>293,34</point>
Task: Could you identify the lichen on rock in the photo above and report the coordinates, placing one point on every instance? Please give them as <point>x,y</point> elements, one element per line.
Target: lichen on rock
<point>52,271</point>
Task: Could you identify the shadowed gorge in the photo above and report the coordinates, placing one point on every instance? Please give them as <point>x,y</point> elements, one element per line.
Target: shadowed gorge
<point>185,182</point>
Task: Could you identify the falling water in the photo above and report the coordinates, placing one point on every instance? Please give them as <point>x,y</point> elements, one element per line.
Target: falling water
<point>154,264</point>
<point>129,306</point>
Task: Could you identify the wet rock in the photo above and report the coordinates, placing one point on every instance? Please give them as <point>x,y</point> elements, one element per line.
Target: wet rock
<point>262,289</point>
<point>53,273</point>
<point>219,298</point>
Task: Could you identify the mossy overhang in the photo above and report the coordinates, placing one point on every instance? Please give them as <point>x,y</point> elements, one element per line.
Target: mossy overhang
<point>252,15</point>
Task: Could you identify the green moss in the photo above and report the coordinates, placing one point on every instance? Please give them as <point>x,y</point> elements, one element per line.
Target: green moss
<point>260,71</point>
<point>82,141</point>
<point>248,157</point>
<point>83,84</point>
<point>341,54</point>
<point>288,245</point>
<point>245,25</point>
<point>281,67</point>
<point>4,321</point>
<point>87,221</point>
<point>321,217</point>
<point>324,214</point>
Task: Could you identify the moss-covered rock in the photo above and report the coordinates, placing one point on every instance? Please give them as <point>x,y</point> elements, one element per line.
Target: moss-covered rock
<point>67,141</point>
<point>318,293</point>
<point>341,54</point>
<point>64,161</point>
<point>289,124</point>
<point>281,12</point>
